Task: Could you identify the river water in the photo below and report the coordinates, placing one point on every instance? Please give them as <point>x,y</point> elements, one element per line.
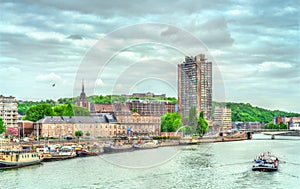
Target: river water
<point>215,165</point>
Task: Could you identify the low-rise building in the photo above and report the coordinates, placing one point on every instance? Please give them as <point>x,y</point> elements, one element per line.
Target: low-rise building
<point>144,95</point>
<point>293,123</point>
<point>253,125</point>
<point>247,125</point>
<point>140,117</point>
<point>26,128</point>
<point>95,126</point>
<point>102,108</point>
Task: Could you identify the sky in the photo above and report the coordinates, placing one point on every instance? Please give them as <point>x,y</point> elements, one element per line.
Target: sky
<point>121,47</point>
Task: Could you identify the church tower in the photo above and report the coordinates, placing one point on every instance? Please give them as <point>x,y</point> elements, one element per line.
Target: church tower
<point>83,101</point>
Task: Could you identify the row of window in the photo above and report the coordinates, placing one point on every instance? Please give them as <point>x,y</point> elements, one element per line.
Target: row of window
<point>27,155</point>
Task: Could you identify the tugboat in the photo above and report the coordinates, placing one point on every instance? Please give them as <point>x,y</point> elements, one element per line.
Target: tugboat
<point>266,163</point>
<point>20,158</point>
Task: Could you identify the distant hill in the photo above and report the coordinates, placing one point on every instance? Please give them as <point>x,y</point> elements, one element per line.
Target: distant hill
<point>247,112</point>
<point>240,111</point>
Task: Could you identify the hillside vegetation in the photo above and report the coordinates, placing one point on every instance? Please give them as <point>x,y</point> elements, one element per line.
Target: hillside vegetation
<point>248,113</point>
<point>240,111</point>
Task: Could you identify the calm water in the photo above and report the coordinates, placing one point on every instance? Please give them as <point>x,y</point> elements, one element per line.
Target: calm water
<point>218,165</point>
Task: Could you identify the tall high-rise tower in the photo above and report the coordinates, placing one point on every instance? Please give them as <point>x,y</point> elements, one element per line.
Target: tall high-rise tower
<point>195,86</point>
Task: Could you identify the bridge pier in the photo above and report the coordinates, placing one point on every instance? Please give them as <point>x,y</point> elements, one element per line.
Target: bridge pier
<point>249,135</point>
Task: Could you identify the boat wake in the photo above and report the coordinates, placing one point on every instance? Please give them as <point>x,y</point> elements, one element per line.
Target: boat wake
<point>231,164</point>
<point>286,162</point>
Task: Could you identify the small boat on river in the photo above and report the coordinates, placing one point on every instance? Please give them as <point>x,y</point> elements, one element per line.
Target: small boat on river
<point>85,153</point>
<point>266,163</point>
<point>188,142</point>
<point>117,148</point>
<point>59,154</point>
<point>18,158</point>
<point>147,145</point>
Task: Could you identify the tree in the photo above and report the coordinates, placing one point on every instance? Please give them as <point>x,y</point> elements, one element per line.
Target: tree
<point>2,126</point>
<point>283,126</point>
<point>202,126</point>
<point>78,134</point>
<point>270,125</point>
<point>192,119</point>
<point>188,130</point>
<point>170,122</point>
<point>37,112</point>
<point>87,134</point>
<point>68,111</point>
<point>11,132</point>
<point>276,126</point>
<point>58,110</point>
<point>64,110</point>
<point>80,111</point>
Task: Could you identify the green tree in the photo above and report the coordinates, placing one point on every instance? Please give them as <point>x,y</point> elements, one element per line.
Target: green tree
<point>270,125</point>
<point>283,126</point>
<point>68,111</point>
<point>202,126</point>
<point>2,126</point>
<point>87,134</point>
<point>192,119</point>
<point>64,110</point>
<point>170,122</point>
<point>37,112</point>
<point>80,111</point>
<point>59,110</point>
<point>78,134</point>
<point>276,126</point>
<point>188,130</point>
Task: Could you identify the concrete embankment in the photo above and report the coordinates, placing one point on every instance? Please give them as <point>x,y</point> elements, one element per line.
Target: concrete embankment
<point>207,139</point>
<point>228,138</point>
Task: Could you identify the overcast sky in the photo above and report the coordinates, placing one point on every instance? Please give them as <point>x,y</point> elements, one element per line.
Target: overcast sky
<point>121,47</point>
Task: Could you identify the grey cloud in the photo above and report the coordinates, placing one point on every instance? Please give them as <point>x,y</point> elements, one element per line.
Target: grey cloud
<point>169,31</point>
<point>132,8</point>
<point>279,73</point>
<point>267,32</point>
<point>75,36</point>
<point>213,32</point>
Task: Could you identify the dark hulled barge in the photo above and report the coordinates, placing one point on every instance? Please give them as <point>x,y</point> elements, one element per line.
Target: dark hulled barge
<point>20,158</point>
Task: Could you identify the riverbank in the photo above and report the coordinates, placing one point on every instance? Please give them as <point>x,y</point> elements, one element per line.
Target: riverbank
<point>161,143</point>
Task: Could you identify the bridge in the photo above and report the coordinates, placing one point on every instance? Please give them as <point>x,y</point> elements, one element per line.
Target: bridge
<point>271,132</point>
<point>268,130</point>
